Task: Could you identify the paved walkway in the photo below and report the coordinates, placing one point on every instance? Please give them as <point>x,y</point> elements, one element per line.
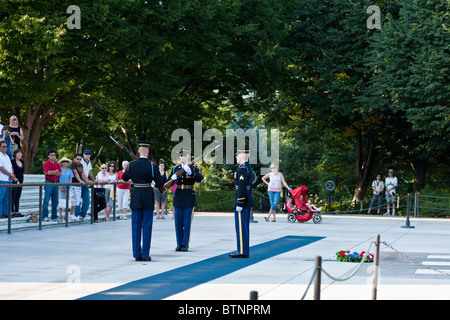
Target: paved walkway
<point>95,261</point>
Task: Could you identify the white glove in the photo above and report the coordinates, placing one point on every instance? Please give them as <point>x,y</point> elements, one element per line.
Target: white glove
<point>174,177</point>
<point>187,169</point>
<point>239,209</point>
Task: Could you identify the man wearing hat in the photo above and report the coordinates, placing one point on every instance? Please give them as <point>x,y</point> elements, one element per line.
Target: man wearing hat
<point>142,172</point>
<point>243,202</point>
<point>184,199</point>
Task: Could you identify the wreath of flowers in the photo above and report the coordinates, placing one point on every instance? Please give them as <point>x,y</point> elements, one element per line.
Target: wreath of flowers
<point>348,256</point>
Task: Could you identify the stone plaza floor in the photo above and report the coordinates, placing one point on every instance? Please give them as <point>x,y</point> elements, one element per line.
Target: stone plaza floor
<point>94,261</point>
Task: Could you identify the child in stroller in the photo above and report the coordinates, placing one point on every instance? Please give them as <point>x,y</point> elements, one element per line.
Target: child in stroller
<point>299,209</point>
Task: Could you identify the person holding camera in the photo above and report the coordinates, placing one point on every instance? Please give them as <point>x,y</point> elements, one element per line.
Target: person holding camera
<point>377,187</point>
<point>6,136</point>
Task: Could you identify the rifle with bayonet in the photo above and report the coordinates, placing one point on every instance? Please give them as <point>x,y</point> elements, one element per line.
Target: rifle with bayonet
<point>121,146</point>
<point>169,183</point>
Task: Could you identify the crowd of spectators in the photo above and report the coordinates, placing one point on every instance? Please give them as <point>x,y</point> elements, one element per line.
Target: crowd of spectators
<point>78,170</point>
<point>11,166</point>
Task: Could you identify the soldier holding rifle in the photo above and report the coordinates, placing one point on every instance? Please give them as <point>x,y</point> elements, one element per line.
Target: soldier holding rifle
<point>184,198</point>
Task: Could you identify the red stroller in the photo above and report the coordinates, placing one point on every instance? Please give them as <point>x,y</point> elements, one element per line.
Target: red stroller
<point>300,212</point>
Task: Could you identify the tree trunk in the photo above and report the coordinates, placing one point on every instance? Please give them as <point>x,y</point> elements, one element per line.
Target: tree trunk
<point>364,165</point>
<point>419,167</point>
<point>35,119</point>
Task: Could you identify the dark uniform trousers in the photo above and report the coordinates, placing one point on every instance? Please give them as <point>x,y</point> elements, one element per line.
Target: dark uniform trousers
<point>184,202</point>
<point>141,228</point>
<point>183,221</point>
<point>142,172</point>
<point>242,223</point>
<point>243,198</point>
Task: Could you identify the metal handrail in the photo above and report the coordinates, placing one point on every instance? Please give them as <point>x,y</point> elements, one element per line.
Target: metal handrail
<point>44,184</point>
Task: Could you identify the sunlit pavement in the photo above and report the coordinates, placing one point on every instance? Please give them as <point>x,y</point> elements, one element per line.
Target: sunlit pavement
<point>94,261</point>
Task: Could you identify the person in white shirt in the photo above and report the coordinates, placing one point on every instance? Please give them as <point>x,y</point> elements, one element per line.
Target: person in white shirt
<point>377,187</point>
<point>391,185</point>
<point>6,177</point>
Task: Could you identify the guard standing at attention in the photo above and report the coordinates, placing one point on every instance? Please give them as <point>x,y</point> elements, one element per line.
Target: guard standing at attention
<point>184,199</point>
<point>142,172</point>
<point>243,202</point>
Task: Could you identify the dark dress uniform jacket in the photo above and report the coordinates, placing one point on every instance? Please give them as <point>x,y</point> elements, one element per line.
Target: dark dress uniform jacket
<point>185,196</point>
<point>142,172</point>
<point>243,196</point>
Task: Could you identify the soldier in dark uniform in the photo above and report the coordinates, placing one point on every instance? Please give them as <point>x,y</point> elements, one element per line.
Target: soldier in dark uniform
<point>184,199</point>
<point>243,202</point>
<point>142,172</point>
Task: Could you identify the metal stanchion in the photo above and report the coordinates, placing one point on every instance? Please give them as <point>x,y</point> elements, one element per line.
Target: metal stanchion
<point>253,295</point>
<point>375,267</point>
<point>317,277</point>
<point>407,225</point>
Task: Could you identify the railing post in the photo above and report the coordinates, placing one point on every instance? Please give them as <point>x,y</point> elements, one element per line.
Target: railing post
<point>40,208</point>
<point>114,202</point>
<point>92,204</point>
<point>375,267</point>
<point>66,216</point>
<point>317,277</point>
<point>416,204</point>
<point>9,207</point>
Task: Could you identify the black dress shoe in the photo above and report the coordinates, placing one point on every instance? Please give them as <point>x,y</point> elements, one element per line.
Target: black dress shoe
<point>147,259</point>
<point>178,248</point>
<point>138,259</point>
<point>183,248</point>
<point>238,255</point>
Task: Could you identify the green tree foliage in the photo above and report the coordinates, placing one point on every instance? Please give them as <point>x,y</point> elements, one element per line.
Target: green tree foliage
<point>329,78</point>
<point>352,102</point>
<point>38,75</point>
<point>410,57</point>
<point>150,67</point>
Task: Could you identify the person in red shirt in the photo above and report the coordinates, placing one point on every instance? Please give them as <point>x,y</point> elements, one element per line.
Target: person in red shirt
<point>52,172</point>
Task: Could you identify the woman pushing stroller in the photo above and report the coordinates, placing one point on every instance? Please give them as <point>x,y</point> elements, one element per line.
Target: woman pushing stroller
<point>274,190</point>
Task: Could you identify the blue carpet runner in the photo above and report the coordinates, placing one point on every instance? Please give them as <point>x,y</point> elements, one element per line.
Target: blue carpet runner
<point>168,283</point>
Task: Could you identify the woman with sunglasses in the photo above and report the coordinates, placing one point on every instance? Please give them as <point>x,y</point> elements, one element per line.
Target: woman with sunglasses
<point>109,195</point>
<point>274,190</point>
<point>16,133</point>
